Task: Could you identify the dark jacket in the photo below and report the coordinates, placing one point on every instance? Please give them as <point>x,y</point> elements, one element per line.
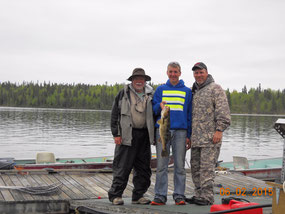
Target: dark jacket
<point>121,121</point>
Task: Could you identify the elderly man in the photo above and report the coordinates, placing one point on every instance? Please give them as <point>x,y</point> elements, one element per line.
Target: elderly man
<point>132,126</point>
<point>210,117</point>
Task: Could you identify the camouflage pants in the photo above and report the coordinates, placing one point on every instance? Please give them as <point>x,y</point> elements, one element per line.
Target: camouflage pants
<point>203,162</point>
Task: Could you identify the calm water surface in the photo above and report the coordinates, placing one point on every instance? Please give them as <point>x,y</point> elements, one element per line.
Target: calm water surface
<point>86,133</point>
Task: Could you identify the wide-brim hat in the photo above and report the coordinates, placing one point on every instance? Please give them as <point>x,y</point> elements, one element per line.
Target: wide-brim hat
<point>139,72</point>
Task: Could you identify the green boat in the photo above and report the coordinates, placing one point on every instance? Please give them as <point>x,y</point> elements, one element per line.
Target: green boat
<point>264,169</point>
<point>47,160</point>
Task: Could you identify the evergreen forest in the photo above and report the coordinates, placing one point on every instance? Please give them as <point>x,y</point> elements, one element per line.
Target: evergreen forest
<point>101,97</point>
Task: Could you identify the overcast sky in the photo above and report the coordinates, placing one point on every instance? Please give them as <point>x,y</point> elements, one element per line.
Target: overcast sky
<point>65,41</point>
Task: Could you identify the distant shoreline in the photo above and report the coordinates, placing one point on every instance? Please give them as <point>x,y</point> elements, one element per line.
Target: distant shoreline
<point>265,115</point>
<point>253,101</point>
<point>47,108</point>
<point>106,110</point>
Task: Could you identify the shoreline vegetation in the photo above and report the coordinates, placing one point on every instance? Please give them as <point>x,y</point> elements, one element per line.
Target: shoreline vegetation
<point>101,97</point>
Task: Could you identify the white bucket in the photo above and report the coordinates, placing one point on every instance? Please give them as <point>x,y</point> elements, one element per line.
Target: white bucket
<point>45,157</point>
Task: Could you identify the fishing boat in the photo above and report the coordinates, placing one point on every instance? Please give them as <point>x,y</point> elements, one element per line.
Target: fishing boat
<point>264,169</point>
<point>45,160</point>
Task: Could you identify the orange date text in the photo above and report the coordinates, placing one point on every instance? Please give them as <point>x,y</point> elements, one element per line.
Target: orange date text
<point>246,192</point>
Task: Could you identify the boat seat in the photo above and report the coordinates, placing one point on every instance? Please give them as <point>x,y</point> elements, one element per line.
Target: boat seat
<point>240,162</point>
<point>45,157</point>
<point>272,165</point>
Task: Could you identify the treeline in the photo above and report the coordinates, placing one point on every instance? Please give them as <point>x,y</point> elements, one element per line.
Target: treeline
<point>257,101</point>
<point>52,95</point>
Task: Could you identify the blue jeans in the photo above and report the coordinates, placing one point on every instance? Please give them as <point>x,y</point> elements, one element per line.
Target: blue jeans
<point>178,143</point>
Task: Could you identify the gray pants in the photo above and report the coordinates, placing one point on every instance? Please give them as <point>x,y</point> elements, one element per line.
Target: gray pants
<point>203,162</point>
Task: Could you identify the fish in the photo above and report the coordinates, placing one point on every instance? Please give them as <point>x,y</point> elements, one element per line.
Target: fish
<point>164,129</point>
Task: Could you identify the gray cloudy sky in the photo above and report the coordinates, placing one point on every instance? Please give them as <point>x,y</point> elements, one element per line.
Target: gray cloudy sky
<point>67,41</point>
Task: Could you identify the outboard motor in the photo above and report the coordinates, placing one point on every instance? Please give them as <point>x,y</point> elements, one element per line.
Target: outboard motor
<point>6,163</point>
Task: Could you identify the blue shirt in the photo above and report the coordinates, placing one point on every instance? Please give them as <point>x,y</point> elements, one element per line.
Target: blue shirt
<point>179,99</point>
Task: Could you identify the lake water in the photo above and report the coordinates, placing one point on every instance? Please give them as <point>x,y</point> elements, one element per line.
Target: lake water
<point>86,133</point>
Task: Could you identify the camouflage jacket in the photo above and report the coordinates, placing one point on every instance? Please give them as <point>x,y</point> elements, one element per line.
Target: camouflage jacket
<point>210,112</point>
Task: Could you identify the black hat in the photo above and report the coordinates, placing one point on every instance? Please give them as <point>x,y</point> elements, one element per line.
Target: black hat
<point>139,72</point>
<point>199,65</point>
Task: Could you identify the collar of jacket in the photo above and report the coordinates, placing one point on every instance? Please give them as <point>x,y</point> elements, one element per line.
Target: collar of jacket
<point>196,86</point>
<point>180,84</point>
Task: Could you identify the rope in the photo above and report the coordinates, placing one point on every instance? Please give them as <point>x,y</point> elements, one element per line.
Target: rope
<point>37,190</point>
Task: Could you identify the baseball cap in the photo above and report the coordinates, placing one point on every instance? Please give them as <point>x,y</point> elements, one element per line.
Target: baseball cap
<point>199,65</point>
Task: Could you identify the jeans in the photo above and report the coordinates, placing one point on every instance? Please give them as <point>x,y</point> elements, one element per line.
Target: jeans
<point>178,144</point>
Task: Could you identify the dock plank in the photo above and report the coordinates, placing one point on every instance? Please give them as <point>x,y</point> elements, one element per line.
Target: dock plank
<point>85,185</point>
<point>92,183</point>
<point>7,196</point>
<point>58,195</point>
<point>239,181</point>
<point>32,182</point>
<point>225,182</point>
<point>1,196</point>
<point>17,182</point>
<point>66,192</point>
<point>81,181</point>
<point>80,187</point>
<point>72,191</point>
<point>25,182</point>
<point>101,182</point>
<point>17,195</point>
<point>43,183</point>
<point>256,184</point>
<point>107,179</point>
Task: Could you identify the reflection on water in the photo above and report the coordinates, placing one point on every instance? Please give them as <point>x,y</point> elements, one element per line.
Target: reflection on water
<point>252,136</point>
<point>67,133</point>
<point>82,133</point>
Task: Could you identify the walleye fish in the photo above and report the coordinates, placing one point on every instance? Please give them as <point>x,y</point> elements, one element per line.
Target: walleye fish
<point>164,129</point>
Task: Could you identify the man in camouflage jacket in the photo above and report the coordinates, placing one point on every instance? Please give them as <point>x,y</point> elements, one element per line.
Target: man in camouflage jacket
<point>210,117</point>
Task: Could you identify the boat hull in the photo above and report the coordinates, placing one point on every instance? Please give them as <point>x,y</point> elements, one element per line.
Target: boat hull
<point>264,169</point>
<point>105,163</point>
<point>263,174</point>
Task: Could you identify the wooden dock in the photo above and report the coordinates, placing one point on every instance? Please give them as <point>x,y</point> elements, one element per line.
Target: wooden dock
<point>86,185</point>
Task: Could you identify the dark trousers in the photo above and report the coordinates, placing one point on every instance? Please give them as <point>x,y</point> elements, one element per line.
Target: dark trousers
<point>137,157</point>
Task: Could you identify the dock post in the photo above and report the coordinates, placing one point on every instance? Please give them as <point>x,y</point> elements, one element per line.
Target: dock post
<point>283,165</point>
<point>278,205</point>
<point>279,126</point>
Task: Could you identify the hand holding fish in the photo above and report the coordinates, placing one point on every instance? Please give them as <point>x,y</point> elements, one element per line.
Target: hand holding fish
<point>162,104</point>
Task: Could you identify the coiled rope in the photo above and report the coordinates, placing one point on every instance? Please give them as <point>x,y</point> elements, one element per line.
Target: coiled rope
<point>36,190</point>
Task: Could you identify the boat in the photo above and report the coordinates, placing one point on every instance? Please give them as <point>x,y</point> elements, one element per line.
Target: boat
<point>265,169</point>
<point>47,161</point>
